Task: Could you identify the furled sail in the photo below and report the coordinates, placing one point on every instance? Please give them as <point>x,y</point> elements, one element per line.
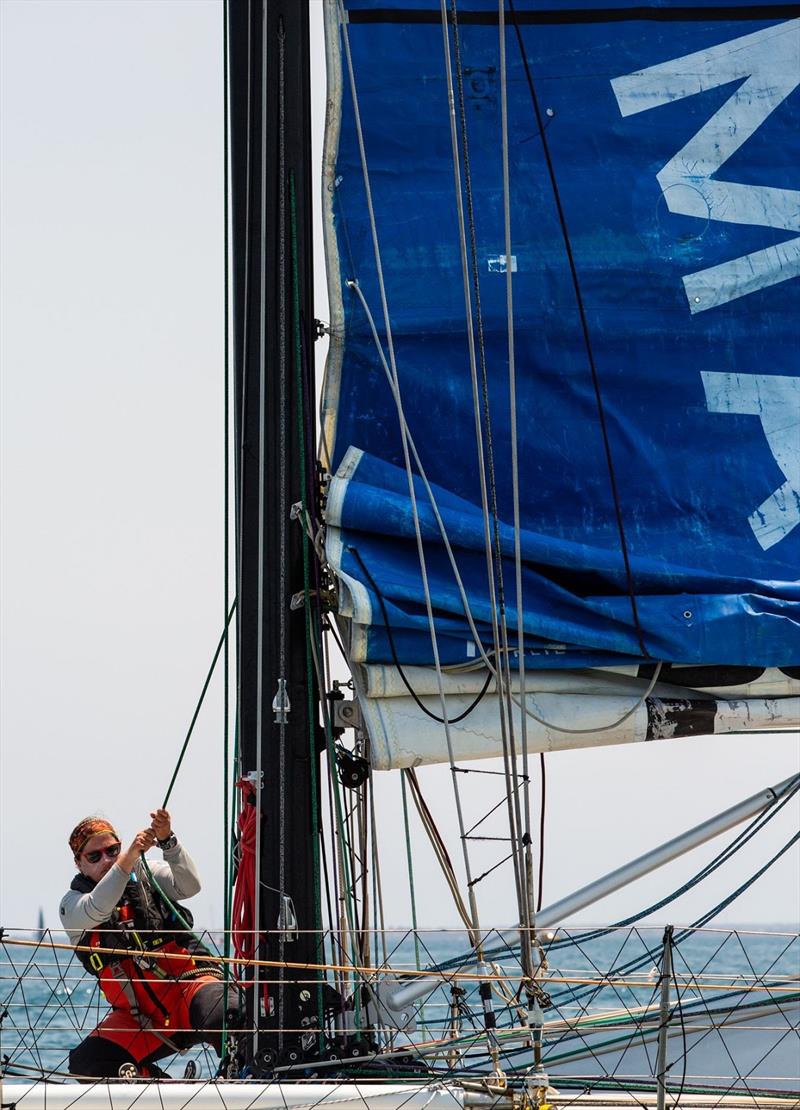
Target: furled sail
<point>562,403</point>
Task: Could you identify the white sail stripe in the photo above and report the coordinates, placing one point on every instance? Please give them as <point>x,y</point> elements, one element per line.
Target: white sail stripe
<point>689,193</point>
<point>719,285</point>
<point>770,61</point>
<point>707,69</point>
<point>775,400</point>
<point>777,516</point>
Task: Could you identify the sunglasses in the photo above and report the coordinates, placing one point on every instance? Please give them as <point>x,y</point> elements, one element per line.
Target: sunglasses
<point>111,852</point>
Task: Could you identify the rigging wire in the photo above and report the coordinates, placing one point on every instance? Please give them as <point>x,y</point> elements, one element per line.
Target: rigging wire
<point>475,929</point>
<point>437,843</point>
<point>512,390</point>
<point>738,842</point>
<point>343,887</point>
<point>376,872</point>
<point>411,884</point>
<point>699,923</point>
<point>483,425</point>
<point>297,335</point>
<point>584,325</point>
<point>543,802</point>
<point>390,637</point>
<point>261,495</point>
<point>611,726</point>
<point>222,640</point>
<point>283,508</point>
<point>227,836</point>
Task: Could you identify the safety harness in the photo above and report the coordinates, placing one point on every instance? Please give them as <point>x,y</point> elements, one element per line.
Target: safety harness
<point>146,982</point>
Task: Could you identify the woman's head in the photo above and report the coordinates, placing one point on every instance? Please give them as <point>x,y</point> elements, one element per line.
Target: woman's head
<point>95,846</point>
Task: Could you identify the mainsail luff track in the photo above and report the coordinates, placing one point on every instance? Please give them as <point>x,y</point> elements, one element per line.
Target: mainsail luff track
<point>271,241</point>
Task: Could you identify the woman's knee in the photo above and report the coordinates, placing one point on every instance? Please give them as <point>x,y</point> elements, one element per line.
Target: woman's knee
<point>98,1058</point>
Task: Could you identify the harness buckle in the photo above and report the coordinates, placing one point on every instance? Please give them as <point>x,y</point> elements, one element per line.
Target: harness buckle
<point>96,962</point>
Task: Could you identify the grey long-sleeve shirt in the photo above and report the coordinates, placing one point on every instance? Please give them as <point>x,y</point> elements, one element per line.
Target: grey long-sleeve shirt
<point>176,875</point>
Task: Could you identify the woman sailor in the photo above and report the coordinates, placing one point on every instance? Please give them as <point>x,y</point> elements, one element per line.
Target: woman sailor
<point>164,990</point>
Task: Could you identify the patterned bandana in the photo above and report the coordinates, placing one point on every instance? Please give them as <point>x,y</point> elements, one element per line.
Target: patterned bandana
<point>86,829</point>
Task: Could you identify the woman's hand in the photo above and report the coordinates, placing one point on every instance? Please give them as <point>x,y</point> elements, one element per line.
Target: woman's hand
<point>141,843</point>
<point>162,826</point>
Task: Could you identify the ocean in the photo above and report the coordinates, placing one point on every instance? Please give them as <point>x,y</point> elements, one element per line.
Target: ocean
<point>733,1005</point>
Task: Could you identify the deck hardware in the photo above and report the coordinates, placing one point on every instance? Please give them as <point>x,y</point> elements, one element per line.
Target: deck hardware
<point>281,706</point>
<point>663,1023</point>
<point>353,770</point>
<point>347,714</point>
<point>287,918</point>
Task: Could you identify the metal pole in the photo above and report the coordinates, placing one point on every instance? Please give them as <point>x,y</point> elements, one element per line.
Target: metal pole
<point>665,853</point>
<point>663,1025</point>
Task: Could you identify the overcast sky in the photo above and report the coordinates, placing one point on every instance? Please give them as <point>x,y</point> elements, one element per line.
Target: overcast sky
<point>112,484</point>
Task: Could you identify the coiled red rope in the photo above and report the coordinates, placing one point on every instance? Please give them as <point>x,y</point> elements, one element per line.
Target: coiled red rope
<point>243,910</point>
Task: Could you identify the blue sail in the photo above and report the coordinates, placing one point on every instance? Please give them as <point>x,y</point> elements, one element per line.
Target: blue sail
<point>655,251</point>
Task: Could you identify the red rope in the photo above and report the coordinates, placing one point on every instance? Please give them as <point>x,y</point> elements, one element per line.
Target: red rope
<point>244,890</point>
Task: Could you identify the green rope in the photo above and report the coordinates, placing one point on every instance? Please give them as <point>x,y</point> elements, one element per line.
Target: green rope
<point>166,898</point>
<point>298,364</point>
<point>199,705</point>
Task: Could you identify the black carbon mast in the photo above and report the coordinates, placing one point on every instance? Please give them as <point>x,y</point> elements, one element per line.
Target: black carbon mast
<point>273,336</point>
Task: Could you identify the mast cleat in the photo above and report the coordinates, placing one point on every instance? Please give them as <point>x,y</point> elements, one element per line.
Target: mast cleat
<point>281,706</point>
<point>287,919</point>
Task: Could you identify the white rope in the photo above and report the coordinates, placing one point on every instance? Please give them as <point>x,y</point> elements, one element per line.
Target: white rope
<point>283,592</point>
<point>527,908</point>
<point>473,364</point>
<point>454,565</point>
<point>409,474</point>
<point>262,377</point>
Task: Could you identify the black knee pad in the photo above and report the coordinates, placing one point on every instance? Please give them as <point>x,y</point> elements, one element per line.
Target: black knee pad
<point>98,1058</point>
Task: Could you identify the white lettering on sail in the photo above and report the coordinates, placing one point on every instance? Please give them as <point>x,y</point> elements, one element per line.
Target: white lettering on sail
<point>768,64</point>
<point>775,401</point>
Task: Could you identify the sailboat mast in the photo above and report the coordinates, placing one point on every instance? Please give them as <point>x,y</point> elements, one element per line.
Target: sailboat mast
<point>271,254</point>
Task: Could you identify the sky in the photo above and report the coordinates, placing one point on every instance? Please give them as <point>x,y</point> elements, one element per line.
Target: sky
<point>112,501</point>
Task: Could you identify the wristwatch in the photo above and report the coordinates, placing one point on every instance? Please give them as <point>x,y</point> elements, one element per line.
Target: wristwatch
<point>168,843</point>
